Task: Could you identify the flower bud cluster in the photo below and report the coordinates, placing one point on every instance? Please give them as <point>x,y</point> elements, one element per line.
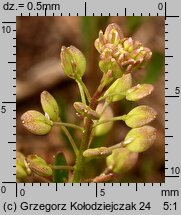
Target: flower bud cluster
<point>119,54</point>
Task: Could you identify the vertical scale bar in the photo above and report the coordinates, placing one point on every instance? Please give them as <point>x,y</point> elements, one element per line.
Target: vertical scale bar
<point>165,90</point>
<point>8,123</point>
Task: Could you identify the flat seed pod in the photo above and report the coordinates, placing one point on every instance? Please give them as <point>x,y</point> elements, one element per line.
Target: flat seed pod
<point>140,139</point>
<point>121,160</point>
<point>139,92</point>
<point>118,89</point>
<point>39,166</point>
<point>50,106</point>
<point>36,122</point>
<point>140,116</point>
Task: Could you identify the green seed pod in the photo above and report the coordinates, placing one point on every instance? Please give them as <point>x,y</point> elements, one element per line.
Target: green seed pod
<point>140,116</point>
<point>138,92</point>
<point>140,139</point>
<point>121,160</point>
<point>36,122</point>
<point>106,127</point>
<point>73,62</point>
<point>39,166</point>
<point>22,169</point>
<point>97,152</point>
<point>21,173</point>
<point>50,106</point>
<point>120,87</point>
<point>85,110</point>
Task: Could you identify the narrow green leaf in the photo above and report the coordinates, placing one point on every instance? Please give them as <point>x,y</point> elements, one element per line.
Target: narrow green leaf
<point>60,176</point>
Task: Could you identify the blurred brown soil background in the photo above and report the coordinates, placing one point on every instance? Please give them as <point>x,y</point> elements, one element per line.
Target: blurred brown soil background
<point>39,41</point>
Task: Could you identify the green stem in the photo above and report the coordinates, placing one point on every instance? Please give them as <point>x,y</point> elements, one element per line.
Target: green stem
<point>68,125</point>
<point>81,92</point>
<point>80,160</point>
<point>110,120</point>
<point>117,146</point>
<point>106,104</point>
<point>67,133</point>
<point>85,90</point>
<point>63,167</point>
<point>110,95</point>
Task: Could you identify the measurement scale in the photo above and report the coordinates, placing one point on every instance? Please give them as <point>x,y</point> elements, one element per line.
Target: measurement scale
<point>81,198</point>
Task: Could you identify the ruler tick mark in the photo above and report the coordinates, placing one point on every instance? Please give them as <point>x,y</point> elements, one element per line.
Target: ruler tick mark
<point>85,8</point>
<point>96,190</point>
<point>125,11</point>
<point>165,10</point>
<point>8,22</point>
<point>171,96</point>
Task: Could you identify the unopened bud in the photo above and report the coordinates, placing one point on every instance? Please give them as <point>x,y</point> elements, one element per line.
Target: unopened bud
<point>100,42</point>
<point>97,152</point>
<point>118,89</point>
<point>39,166</point>
<point>140,116</point>
<point>140,139</point>
<point>113,34</point>
<point>128,44</point>
<point>86,111</point>
<point>50,106</point>
<point>73,62</point>
<point>36,122</point>
<point>138,92</point>
<point>121,160</point>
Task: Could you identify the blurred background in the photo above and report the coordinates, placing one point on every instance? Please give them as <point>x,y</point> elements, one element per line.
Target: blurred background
<point>39,41</point>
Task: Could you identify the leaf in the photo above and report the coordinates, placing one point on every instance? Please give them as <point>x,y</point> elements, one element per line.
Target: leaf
<point>60,176</point>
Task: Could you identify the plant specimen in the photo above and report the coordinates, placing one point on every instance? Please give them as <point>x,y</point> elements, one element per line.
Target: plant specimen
<point>119,58</point>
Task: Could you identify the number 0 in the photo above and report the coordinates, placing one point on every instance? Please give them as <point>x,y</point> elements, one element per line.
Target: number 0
<point>3,189</point>
<point>160,6</point>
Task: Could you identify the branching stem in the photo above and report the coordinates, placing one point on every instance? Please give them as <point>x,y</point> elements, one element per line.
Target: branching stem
<point>118,118</point>
<point>67,133</point>
<point>68,125</point>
